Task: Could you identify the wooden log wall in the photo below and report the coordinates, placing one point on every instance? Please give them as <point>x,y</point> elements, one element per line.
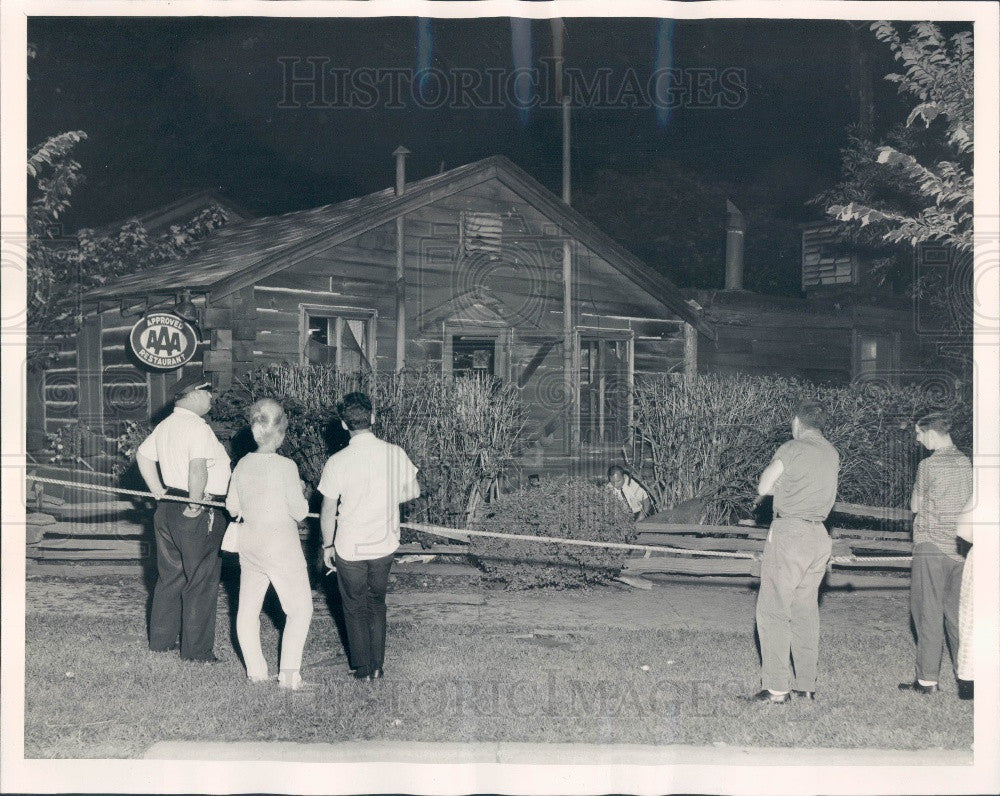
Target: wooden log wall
<point>801,339</point>
<point>97,381</point>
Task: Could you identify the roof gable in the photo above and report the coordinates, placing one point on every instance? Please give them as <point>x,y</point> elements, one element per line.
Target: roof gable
<point>241,255</point>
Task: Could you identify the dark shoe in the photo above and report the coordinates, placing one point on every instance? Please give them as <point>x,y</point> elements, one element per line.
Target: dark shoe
<point>211,659</point>
<point>378,674</point>
<point>168,649</point>
<point>919,688</point>
<point>767,696</point>
<point>804,694</point>
<point>364,678</point>
<point>966,689</point>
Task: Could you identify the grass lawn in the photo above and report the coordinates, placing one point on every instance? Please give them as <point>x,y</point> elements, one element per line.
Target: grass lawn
<point>94,690</point>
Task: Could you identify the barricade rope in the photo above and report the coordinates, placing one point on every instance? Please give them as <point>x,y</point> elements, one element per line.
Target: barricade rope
<point>451,533</point>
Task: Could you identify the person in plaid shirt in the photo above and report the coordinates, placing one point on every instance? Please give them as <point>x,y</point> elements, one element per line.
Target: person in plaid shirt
<point>943,485</point>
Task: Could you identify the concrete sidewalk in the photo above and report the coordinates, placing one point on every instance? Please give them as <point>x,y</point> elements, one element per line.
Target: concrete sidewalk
<point>548,754</point>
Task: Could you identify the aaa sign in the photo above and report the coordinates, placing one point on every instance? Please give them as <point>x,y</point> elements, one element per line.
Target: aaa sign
<point>163,341</point>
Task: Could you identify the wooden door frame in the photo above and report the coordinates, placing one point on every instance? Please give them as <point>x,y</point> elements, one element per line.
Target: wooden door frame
<point>582,333</point>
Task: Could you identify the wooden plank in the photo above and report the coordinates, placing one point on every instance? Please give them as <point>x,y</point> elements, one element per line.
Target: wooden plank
<point>693,566</point>
<point>218,317</point>
<point>217,360</point>
<point>658,526</point>
<point>222,339</point>
<point>882,563</point>
<point>119,529</point>
<point>878,546</point>
<point>92,508</point>
<point>91,399</point>
<point>128,548</point>
<point>84,570</point>
<point>435,550</point>
<point>875,512</point>
<point>854,580</point>
<point>700,543</point>
<point>86,555</point>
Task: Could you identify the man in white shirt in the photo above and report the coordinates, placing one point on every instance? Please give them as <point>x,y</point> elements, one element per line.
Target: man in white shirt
<point>192,464</point>
<point>633,495</point>
<point>369,479</point>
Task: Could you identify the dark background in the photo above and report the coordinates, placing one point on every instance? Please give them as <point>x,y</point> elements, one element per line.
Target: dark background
<point>172,106</point>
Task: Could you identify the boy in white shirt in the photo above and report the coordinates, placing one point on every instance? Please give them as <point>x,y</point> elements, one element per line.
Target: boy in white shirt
<point>363,486</point>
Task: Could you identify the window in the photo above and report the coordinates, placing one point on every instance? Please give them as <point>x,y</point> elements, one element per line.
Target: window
<point>473,355</point>
<point>867,355</point>
<point>826,258</point>
<point>470,350</point>
<point>342,338</point>
<point>875,355</point>
<point>481,234</point>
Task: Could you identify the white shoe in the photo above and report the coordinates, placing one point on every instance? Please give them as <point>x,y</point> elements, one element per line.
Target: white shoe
<point>292,681</point>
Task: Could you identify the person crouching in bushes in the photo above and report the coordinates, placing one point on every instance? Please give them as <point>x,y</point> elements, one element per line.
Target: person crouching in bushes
<point>267,492</point>
<point>369,479</point>
<point>630,493</point>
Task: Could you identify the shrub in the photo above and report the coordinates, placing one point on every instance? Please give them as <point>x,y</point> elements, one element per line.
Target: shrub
<point>461,433</point>
<point>125,445</point>
<point>569,507</point>
<point>75,444</point>
<point>711,437</point>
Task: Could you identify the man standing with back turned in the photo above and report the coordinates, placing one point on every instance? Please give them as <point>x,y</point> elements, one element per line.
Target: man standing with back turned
<point>369,478</point>
<point>193,464</point>
<point>802,476</point>
<point>943,485</point>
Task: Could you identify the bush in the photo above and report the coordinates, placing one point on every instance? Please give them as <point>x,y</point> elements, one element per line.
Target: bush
<point>461,433</point>
<point>126,444</point>
<point>569,507</point>
<point>76,444</point>
<point>711,437</point>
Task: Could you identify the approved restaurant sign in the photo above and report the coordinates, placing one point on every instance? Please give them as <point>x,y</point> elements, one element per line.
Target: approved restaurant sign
<point>163,341</point>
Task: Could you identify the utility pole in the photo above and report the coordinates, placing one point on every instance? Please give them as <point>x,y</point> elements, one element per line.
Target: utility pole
<point>400,155</point>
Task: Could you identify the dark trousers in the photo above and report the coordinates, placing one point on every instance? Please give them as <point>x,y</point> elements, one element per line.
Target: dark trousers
<point>795,558</point>
<point>935,588</point>
<point>188,566</point>
<point>362,587</point>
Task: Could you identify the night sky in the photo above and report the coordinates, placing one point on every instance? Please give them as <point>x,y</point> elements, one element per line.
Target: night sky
<point>172,106</point>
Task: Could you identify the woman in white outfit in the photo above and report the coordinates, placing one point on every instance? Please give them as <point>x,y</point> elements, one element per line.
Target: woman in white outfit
<point>964,670</point>
<point>267,492</point>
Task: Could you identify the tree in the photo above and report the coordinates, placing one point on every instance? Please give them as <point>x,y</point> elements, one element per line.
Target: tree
<point>62,268</point>
<point>894,186</point>
<point>915,188</point>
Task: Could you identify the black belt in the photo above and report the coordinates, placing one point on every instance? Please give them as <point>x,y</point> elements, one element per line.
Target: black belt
<point>184,493</point>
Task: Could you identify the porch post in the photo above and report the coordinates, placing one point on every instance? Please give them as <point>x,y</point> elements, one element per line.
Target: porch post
<point>690,351</point>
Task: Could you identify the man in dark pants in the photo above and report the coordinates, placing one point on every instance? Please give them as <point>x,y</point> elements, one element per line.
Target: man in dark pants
<point>193,464</point>
<point>942,488</point>
<point>370,479</point>
<point>802,476</point>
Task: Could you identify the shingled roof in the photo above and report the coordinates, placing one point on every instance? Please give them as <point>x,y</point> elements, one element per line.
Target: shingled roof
<point>239,255</point>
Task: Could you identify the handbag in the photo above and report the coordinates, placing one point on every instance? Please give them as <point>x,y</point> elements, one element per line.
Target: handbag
<point>231,538</point>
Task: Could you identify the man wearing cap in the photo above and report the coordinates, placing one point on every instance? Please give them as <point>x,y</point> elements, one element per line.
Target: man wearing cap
<point>192,464</point>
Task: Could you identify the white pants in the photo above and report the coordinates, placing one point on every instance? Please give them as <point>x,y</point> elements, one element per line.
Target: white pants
<point>965,635</point>
<point>292,586</point>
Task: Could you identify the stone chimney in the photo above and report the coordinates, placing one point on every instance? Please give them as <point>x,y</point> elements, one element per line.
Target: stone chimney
<point>735,228</point>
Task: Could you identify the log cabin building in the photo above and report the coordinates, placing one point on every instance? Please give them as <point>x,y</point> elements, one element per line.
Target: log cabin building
<point>463,271</point>
<point>466,271</point>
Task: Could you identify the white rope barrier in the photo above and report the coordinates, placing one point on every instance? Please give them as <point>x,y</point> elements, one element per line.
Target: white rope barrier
<point>439,530</point>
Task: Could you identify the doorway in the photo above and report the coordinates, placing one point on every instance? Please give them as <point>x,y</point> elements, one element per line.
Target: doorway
<point>605,390</point>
